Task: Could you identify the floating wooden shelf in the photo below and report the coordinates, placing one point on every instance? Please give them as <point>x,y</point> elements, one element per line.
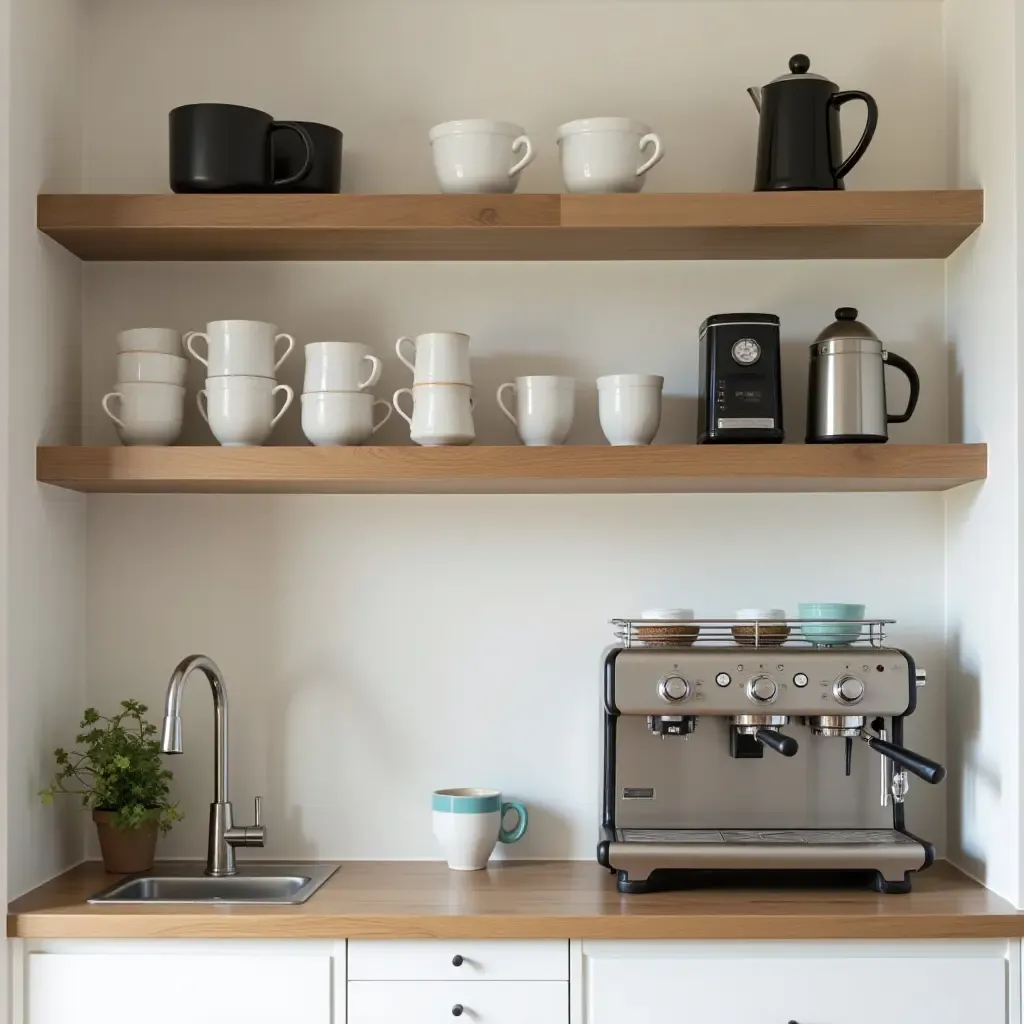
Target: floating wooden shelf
<point>507,470</point>
<point>654,226</point>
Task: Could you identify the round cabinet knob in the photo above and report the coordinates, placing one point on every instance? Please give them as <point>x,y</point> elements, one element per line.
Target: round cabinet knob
<point>457,961</point>
<point>848,690</point>
<point>800,680</point>
<point>762,689</point>
<point>457,1010</point>
<point>674,689</point>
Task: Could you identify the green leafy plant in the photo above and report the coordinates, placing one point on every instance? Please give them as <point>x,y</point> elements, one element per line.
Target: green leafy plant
<point>120,769</point>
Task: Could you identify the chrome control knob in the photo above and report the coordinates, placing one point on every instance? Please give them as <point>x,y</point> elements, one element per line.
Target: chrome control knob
<point>762,689</point>
<point>673,689</point>
<point>848,690</point>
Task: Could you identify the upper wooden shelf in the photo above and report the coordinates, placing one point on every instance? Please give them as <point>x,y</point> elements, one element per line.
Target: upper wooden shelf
<point>653,226</point>
<point>508,470</point>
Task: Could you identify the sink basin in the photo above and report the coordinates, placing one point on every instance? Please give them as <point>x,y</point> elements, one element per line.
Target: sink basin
<point>253,884</point>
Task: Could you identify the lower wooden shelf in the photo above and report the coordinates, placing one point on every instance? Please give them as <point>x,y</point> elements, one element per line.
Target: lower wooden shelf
<point>510,470</point>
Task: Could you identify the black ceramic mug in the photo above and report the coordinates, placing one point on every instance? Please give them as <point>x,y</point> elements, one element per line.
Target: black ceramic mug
<point>324,175</point>
<point>220,147</point>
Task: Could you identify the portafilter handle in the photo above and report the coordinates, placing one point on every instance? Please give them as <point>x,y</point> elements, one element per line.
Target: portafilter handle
<point>785,745</point>
<point>923,767</point>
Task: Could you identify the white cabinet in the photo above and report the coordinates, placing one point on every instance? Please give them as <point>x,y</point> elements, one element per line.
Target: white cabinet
<point>452,1002</point>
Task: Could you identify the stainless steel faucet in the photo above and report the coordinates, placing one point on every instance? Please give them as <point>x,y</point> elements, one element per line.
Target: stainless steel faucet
<point>224,834</point>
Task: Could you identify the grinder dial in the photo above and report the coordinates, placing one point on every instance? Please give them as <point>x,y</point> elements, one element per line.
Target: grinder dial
<point>746,351</point>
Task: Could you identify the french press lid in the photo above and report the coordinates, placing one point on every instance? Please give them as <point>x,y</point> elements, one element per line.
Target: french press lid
<point>846,334</point>
<point>799,70</point>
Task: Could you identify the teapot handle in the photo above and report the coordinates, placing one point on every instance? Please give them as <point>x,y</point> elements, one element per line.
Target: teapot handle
<point>915,386</point>
<point>869,129</point>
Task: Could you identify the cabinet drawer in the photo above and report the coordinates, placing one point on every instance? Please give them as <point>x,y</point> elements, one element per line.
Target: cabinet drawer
<point>442,960</point>
<point>433,1002</point>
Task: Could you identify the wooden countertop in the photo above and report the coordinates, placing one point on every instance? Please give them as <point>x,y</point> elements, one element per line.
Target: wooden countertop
<point>526,900</point>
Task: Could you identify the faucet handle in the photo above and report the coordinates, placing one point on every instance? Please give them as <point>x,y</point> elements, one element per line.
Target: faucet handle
<point>259,811</point>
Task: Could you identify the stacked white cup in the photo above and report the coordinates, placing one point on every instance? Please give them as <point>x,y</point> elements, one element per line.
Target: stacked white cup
<point>442,389</point>
<point>241,379</point>
<point>150,388</point>
<point>337,407</point>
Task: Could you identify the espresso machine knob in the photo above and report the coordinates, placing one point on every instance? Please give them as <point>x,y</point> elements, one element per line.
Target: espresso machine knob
<point>674,689</point>
<point>762,689</point>
<point>848,689</point>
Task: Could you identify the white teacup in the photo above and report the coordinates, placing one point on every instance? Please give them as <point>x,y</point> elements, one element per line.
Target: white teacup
<point>150,339</point>
<point>154,367</point>
<point>243,348</point>
<point>629,407</point>
<point>441,357</point>
<point>468,825</point>
<point>240,410</point>
<point>149,413</point>
<point>340,366</point>
<point>341,417</point>
<point>545,407</point>
<point>606,154</point>
<point>442,414</point>
<point>480,155</point>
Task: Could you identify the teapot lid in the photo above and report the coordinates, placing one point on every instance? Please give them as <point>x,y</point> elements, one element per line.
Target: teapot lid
<point>799,68</point>
<point>846,325</point>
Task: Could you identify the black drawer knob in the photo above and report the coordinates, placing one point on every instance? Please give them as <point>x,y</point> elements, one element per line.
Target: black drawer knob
<point>457,1010</point>
<point>457,961</point>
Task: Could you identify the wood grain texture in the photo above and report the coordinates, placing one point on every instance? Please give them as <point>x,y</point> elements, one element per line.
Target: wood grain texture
<point>514,469</point>
<point>527,900</point>
<point>799,225</point>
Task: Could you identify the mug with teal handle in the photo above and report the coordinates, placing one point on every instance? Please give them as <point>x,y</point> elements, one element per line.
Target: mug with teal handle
<point>468,823</point>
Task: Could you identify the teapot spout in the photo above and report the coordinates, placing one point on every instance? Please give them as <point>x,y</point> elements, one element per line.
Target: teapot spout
<point>755,94</point>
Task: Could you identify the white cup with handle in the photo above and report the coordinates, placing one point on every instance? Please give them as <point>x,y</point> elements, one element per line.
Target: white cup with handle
<point>607,154</point>
<point>544,411</point>
<point>240,410</point>
<point>150,339</point>
<point>340,366</point>
<point>479,155</point>
<point>341,417</point>
<point>440,357</point>
<point>468,824</point>
<point>239,348</point>
<point>629,407</point>
<point>148,413</point>
<point>442,414</point>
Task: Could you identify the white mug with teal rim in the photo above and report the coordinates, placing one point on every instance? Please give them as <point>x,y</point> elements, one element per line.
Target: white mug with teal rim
<point>468,824</point>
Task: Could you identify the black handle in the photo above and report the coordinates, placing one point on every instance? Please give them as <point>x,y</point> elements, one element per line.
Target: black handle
<point>915,386</point>
<point>785,745</point>
<point>457,1010</point>
<point>291,126</point>
<point>869,129</point>
<point>923,767</point>
<point>457,961</point>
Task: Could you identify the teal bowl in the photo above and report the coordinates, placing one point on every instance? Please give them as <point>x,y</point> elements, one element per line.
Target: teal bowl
<point>831,634</point>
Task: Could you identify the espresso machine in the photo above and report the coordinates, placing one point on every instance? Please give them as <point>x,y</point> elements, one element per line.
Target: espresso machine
<point>740,756</point>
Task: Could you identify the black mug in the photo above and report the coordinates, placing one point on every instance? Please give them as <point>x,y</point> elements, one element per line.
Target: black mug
<point>324,175</point>
<point>220,147</point>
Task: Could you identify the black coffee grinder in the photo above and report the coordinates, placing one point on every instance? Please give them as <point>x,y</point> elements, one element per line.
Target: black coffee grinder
<point>740,397</point>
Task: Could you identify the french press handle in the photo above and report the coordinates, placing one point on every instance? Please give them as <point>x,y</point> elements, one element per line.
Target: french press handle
<point>907,368</point>
<point>869,129</point>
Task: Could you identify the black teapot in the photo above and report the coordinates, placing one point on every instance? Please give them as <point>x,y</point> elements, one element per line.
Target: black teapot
<point>799,146</point>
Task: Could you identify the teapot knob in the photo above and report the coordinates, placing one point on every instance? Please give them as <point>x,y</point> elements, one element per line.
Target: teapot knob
<point>846,313</point>
<point>800,64</point>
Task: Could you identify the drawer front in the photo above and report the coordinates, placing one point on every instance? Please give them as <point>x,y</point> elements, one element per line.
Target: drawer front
<point>443,960</point>
<point>454,1002</point>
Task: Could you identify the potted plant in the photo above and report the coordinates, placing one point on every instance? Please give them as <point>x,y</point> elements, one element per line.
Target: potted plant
<point>119,775</point>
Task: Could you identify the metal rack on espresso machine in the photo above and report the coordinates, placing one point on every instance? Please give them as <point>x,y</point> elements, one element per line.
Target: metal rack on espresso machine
<point>690,795</point>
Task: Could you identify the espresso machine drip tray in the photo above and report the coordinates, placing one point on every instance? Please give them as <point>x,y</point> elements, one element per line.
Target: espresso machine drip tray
<point>786,837</point>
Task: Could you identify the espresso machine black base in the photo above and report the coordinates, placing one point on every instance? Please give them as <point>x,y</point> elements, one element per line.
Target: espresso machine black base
<point>676,880</point>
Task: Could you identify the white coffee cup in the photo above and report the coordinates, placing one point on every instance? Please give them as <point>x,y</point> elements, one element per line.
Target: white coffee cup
<point>480,155</point>
<point>150,339</point>
<point>606,154</point>
<point>340,366</point>
<point>629,407</point>
<point>341,417</point>
<point>154,367</point>
<point>468,825</point>
<point>149,413</point>
<point>544,408</point>
<point>243,348</point>
<point>442,414</point>
<point>240,410</point>
<point>441,357</point>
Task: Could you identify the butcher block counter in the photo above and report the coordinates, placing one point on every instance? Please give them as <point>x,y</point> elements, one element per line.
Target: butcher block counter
<point>525,900</point>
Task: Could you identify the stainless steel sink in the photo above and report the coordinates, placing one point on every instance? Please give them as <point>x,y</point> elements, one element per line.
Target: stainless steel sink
<point>253,884</point>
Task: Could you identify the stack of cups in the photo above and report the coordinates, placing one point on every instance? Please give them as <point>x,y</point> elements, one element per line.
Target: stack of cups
<point>629,407</point>
<point>150,387</point>
<point>442,391</point>
<point>241,379</point>
<point>337,408</point>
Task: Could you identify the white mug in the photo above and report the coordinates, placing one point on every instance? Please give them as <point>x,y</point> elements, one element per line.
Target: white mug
<point>468,825</point>
<point>150,413</point>
<point>341,417</point>
<point>438,358</point>
<point>150,339</point>
<point>340,366</point>
<point>441,413</point>
<point>629,407</point>
<point>544,408</point>
<point>606,154</point>
<point>244,348</point>
<point>240,410</point>
<point>479,155</point>
<point>154,367</point>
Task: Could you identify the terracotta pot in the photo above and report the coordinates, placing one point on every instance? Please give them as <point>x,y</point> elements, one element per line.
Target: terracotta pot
<point>125,852</point>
